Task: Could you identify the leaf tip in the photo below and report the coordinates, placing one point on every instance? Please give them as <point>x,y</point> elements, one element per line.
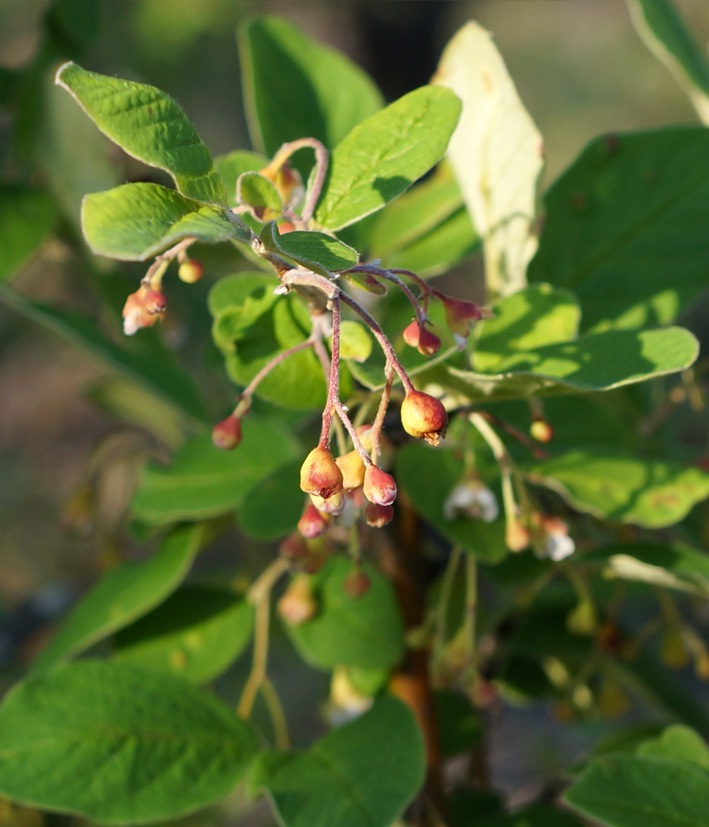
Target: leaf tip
<point>58,79</point>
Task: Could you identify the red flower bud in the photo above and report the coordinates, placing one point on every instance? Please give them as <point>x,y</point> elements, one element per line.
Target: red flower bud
<point>378,515</point>
<point>190,271</point>
<point>142,309</point>
<point>461,315</point>
<point>379,487</point>
<point>227,433</point>
<point>320,474</point>
<point>352,467</point>
<point>423,340</point>
<point>423,416</point>
<point>313,523</point>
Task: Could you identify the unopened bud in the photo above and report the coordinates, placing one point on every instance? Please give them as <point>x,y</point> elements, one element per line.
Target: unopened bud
<point>333,505</point>
<point>424,416</point>
<point>541,431</point>
<point>423,340</point>
<point>190,271</point>
<point>352,467</point>
<point>297,605</point>
<point>357,583</point>
<point>461,315</point>
<point>227,433</point>
<point>320,474</point>
<point>313,523</point>
<point>517,537</point>
<point>378,515</point>
<point>379,487</point>
<point>142,309</point>
<point>293,547</point>
<point>287,181</point>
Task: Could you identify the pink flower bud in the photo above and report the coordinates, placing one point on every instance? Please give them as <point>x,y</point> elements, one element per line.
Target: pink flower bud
<point>142,309</point>
<point>378,515</point>
<point>313,523</point>
<point>190,271</point>
<point>423,416</point>
<point>423,340</point>
<point>379,487</point>
<point>320,474</point>
<point>461,315</point>
<point>227,433</point>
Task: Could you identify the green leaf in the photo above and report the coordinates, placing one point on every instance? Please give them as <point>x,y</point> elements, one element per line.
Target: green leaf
<point>365,631</point>
<point>27,216</point>
<point>595,362</point>
<point>135,221</point>
<point>318,252</point>
<point>428,476</point>
<point>204,481</point>
<point>533,317</point>
<point>123,594</point>
<point>260,194</point>
<point>198,632</point>
<point>361,775</point>
<point>150,126</point>
<point>355,341</point>
<point>295,87</point>
<point>624,228</point>
<point>497,155</point>
<point>642,791</point>
<point>679,742</point>
<point>233,164</point>
<point>252,325</point>
<point>383,156</point>
<point>151,367</point>
<point>672,567</point>
<point>119,744</point>
<point>538,815</point>
<point>273,507</point>
<point>659,24</point>
<point>621,487</point>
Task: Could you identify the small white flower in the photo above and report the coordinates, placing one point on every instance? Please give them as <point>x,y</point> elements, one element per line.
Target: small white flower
<point>558,546</point>
<point>471,498</point>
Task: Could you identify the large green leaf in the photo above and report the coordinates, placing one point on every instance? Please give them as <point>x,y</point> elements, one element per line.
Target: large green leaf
<point>383,156</point>
<point>135,221</point>
<point>594,362</point>
<point>119,744</point>
<point>197,632</point>
<point>533,317</point>
<point>295,87</point>
<point>152,367</point>
<point>361,775</point>
<point>663,31</point>
<point>642,791</point>
<point>252,325</point>
<point>123,594</point>
<point>672,567</point>
<point>625,227</point>
<point>497,155</point>
<point>318,252</point>
<point>204,481</point>
<point>678,741</point>
<point>27,216</point>
<point>150,126</point>
<point>428,476</point>
<point>364,631</point>
<point>273,507</point>
<point>618,486</point>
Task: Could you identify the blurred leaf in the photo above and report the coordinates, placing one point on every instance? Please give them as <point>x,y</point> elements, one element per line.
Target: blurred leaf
<point>260,194</point>
<point>204,481</point>
<point>123,594</point>
<point>383,156</point>
<point>76,23</point>
<point>198,632</point>
<point>295,87</point>
<point>136,735</point>
<point>497,155</point>
<point>618,486</point>
<point>459,724</point>
<point>152,368</point>
<point>429,490</point>
<point>150,126</point>
<point>659,24</point>
<point>533,317</point>
<point>364,773</point>
<point>636,791</point>
<point>233,164</point>
<point>136,221</point>
<point>355,341</point>
<point>538,815</point>
<point>27,216</point>
<point>594,362</point>
<point>315,251</point>
<point>679,742</point>
<point>671,567</point>
<point>625,227</point>
<point>365,631</point>
<point>252,325</point>
<point>273,507</point>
